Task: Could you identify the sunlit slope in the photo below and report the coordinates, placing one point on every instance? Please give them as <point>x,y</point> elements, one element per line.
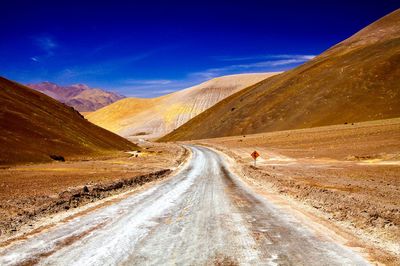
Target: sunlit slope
<point>151,118</point>
<point>113,116</point>
<point>34,126</point>
<point>356,80</point>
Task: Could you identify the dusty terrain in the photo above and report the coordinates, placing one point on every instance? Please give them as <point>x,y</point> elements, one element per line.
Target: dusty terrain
<point>79,96</point>
<point>202,215</point>
<point>30,192</point>
<point>348,174</point>
<point>354,81</point>
<point>151,118</point>
<point>34,127</point>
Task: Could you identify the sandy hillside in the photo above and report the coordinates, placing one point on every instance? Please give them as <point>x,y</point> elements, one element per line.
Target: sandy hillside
<point>34,126</point>
<point>356,80</point>
<point>151,118</point>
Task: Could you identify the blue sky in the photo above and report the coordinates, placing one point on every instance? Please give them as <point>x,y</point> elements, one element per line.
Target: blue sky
<point>149,48</point>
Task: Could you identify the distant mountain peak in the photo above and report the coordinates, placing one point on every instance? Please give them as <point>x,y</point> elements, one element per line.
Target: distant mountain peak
<point>80,96</point>
<point>81,86</point>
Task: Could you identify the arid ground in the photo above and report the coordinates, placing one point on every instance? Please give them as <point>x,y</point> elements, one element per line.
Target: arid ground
<point>332,191</point>
<point>89,177</point>
<point>29,192</point>
<point>347,174</point>
<point>201,215</point>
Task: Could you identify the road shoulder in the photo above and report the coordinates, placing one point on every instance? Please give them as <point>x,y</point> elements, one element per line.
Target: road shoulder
<point>316,220</point>
<point>82,186</point>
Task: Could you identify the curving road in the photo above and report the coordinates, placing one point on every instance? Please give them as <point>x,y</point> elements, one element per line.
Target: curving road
<point>203,215</point>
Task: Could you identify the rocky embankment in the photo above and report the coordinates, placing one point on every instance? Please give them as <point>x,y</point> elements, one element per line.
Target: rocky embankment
<point>72,198</point>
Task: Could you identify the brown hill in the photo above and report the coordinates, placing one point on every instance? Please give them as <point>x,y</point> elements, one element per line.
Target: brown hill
<point>356,80</point>
<point>79,96</point>
<point>152,118</point>
<point>34,126</point>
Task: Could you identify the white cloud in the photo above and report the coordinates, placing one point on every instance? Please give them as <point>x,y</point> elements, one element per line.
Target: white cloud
<point>152,87</point>
<point>147,81</point>
<point>103,67</point>
<point>269,63</point>
<point>263,57</point>
<point>157,87</point>
<point>46,43</point>
<point>160,92</point>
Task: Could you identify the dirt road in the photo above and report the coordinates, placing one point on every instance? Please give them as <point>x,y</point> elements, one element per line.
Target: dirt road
<point>203,215</point>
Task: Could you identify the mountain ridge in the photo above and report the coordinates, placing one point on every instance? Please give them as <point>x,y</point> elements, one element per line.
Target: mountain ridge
<point>353,81</point>
<point>34,127</point>
<point>80,96</point>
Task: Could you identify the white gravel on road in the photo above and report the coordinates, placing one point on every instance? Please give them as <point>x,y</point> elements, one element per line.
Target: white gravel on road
<point>202,215</point>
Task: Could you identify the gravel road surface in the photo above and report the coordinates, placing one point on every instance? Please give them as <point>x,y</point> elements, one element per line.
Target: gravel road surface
<point>204,215</point>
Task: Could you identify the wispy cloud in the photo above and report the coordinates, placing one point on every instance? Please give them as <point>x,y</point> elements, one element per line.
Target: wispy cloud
<point>77,72</point>
<point>156,87</point>
<point>268,63</point>
<point>102,47</point>
<point>99,68</point>
<point>290,56</point>
<point>139,87</point>
<point>46,43</point>
<point>262,57</point>
<point>147,81</point>
<point>152,87</point>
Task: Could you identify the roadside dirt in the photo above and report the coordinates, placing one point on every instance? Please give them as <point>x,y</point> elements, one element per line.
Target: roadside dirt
<point>202,215</point>
<point>31,192</point>
<point>347,174</point>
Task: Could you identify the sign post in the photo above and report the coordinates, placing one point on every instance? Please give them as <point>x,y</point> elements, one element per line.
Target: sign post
<point>255,154</point>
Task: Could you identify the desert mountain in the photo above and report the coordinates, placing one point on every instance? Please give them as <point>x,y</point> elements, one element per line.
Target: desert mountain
<point>34,126</point>
<point>151,118</point>
<point>356,80</point>
<point>79,96</point>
